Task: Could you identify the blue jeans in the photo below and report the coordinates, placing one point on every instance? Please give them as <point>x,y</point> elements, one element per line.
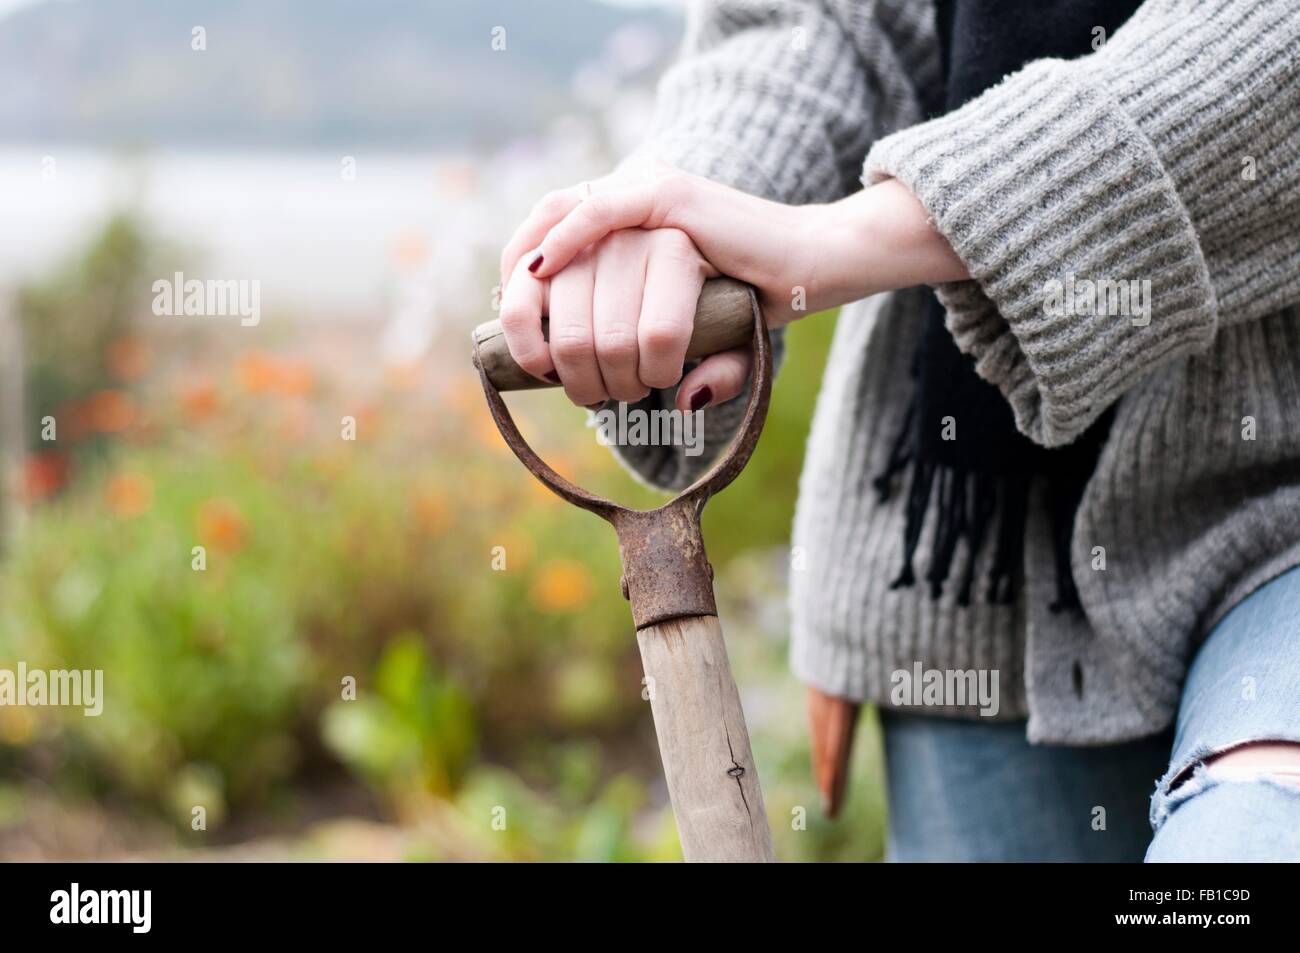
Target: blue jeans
<point>978,791</point>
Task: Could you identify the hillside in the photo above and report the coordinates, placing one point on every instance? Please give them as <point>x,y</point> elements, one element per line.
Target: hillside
<point>300,73</point>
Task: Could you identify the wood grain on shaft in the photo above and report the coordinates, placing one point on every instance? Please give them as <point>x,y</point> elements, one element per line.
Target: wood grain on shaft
<point>723,320</point>
<point>712,780</point>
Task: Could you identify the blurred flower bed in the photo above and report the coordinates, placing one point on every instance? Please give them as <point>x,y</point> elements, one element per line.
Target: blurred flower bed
<point>398,646</point>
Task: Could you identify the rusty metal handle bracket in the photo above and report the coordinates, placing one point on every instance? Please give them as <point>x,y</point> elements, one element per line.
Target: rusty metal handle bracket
<point>666,574</point>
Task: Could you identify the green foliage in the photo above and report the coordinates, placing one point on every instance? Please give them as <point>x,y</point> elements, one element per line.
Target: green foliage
<point>73,320</point>
<point>417,729</point>
<point>498,711</point>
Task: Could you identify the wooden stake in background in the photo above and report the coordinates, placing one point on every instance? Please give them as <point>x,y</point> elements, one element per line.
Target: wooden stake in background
<point>13,435</point>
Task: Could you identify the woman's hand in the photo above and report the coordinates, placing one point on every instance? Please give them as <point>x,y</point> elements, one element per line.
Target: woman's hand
<point>621,316</point>
<point>621,313</point>
<point>619,271</point>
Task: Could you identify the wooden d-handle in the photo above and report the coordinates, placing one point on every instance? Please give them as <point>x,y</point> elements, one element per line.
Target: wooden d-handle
<point>723,320</point>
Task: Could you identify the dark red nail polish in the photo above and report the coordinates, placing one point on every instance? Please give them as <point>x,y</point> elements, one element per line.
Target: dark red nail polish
<point>535,264</point>
<point>553,377</point>
<point>700,399</point>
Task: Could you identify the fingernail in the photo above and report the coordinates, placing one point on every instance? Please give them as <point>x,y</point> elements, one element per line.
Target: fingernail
<point>700,399</point>
<point>596,406</point>
<point>553,377</point>
<point>535,264</point>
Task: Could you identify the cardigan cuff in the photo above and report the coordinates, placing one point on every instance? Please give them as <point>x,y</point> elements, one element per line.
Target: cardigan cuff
<point>1086,269</point>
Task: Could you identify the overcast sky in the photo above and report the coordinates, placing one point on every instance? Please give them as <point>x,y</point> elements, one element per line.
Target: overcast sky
<point>7,5</point>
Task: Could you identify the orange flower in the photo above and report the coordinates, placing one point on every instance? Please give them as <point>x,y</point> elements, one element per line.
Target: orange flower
<point>256,372</point>
<point>44,474</point>
<point>562,585</point>
<point>110,411</point>
<point>294,379</point>
<point>74,420</point>
<point>370,420</point>
<point>294,422</point>
<point>199,402</point>
<point>260,373</point>
<point>128,495</point>
<point>128,358</point>
<point>403,376</point>
<point>222,525</point>
<point>432,512</point>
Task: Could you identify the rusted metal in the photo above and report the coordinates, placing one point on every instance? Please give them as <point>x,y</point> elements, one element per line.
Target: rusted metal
<point>666,574</point>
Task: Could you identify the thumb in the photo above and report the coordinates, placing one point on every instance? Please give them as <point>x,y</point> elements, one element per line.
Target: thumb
<point>718,378</point>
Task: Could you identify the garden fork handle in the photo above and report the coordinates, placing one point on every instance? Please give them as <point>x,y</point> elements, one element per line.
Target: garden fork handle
<point>723,320</point>
<point>712,779</point>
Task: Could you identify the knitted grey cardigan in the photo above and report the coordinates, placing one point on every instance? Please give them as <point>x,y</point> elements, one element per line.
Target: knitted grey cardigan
<point>1170,155</point>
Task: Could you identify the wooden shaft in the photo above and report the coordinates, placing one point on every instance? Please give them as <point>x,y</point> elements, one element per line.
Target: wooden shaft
<point>723,320</point>
<point>712,779</point>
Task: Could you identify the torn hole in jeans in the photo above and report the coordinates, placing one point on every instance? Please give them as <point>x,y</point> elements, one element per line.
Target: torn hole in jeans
<point>1197,773</point>
<point>1272,761</point>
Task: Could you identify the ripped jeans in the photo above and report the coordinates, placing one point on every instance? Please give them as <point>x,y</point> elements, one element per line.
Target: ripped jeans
<point>977,791</point>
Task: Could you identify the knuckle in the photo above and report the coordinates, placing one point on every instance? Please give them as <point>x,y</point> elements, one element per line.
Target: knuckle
<point>551,203</point>
<point>676,249</point>
<point>535,364</point>
<point>515,319</point>
<point>596,208</point>
<point>624,240</point>
<point>674,242</point>
<point>570,341</point>
<point>586,398</point>
<point>617,342</point>
<point>664,338</point>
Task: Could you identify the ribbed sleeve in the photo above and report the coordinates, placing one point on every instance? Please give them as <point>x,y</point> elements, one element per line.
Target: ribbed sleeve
<point>781,99</point>
<point>1132,165</point>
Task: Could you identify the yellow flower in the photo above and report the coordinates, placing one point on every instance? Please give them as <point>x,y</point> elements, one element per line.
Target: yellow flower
<point>17,725</point>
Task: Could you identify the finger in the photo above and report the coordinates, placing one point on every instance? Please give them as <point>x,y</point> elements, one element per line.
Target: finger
<point>642,206</point>
<point>551,208</point>
<point>573,347</point>
<point>673,283</point>
<point>719,377</point>
<point>616,307</point>
<point>522,305</point>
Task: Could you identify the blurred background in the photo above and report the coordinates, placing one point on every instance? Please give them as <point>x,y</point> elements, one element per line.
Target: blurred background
<point>363,162</point>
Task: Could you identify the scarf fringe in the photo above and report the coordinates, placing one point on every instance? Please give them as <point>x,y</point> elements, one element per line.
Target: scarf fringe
<point>965,506</point>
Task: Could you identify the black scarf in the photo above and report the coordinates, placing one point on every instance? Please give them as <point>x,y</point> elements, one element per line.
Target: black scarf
<point>983,472</point>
